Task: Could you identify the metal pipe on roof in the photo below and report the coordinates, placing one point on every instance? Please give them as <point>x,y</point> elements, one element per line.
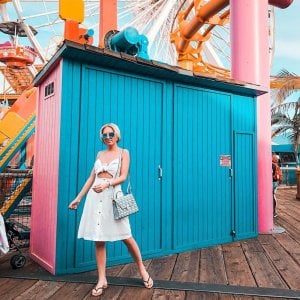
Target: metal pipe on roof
<point>203,13</point>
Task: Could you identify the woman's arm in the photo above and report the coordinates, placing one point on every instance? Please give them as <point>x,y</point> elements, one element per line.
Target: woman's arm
<point>84,190</point>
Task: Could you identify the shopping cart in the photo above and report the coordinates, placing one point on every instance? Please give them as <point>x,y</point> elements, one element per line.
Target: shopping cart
<point>15,210</point>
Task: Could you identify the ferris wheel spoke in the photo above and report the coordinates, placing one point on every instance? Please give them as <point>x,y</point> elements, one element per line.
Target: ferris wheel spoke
<point>45,14</point>
<point>142,15</point>
<point>211,55</point>
<point>91,8</point>
<point>4,13</point>
<point>135,21</point>
<point>160,19</point>
<point>151,30</point>
<point>128,5</point>
<point>50,24</point>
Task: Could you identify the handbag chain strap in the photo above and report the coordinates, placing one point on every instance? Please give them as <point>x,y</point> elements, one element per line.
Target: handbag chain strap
<point>118,174</point>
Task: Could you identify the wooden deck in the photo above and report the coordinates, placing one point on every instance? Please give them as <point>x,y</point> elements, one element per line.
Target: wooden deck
<point>264,268</point>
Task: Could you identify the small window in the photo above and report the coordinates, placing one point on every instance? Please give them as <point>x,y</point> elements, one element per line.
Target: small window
<point>49,90</point>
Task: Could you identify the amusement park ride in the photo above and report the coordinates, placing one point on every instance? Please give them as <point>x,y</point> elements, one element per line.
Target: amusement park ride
<point>192,29</point>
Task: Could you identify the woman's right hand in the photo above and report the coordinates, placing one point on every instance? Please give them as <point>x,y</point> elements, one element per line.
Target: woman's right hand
<point>74,204</point>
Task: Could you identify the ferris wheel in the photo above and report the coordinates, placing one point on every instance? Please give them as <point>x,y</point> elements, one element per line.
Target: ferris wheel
<point>154,18</point>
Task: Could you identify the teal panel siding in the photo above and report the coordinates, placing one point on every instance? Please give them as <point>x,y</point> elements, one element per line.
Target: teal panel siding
<point>245,167</point>
<point>202,189</point>
<point>244,113</point>
<point>185,130</point>
<point>135,104</point>
<point>245,186</point>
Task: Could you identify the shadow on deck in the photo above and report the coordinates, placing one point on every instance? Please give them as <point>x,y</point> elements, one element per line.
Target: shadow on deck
<point>264,268</point>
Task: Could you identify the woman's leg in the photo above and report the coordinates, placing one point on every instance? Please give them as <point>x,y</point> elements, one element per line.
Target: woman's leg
<point>101,264</point>
<point>135,252</point>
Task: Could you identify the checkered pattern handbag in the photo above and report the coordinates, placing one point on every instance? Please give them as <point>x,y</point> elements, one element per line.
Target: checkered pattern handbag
<point>124,205</point>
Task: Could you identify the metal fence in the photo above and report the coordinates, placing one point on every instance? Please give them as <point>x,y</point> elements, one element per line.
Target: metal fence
<point>15,204</point>
<point>289,175</point>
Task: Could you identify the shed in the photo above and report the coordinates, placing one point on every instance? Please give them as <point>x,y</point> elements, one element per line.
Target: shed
<point>192,141</point>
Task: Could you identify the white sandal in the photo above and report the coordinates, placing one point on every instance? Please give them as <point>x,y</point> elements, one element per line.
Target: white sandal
<point>148,283</point>
<point>96,292</point>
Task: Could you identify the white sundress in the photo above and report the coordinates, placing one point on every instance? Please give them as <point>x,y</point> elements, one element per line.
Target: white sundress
<point>97,221</point>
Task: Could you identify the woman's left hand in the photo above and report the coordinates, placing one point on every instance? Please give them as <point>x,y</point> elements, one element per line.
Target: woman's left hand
<point>100,187</point>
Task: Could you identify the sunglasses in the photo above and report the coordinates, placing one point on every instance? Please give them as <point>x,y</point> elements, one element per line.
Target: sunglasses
<point>109,135</point>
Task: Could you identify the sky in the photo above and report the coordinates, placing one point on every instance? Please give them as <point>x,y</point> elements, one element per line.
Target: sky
<point>287,39</point>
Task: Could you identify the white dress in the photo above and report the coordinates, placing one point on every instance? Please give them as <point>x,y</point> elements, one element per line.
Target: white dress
<point>97,221</point>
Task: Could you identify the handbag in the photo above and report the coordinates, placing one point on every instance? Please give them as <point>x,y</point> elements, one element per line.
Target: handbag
<point>124,205</point>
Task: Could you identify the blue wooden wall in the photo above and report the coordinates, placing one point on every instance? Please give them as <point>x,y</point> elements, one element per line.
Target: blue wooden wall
<point>182,128</point>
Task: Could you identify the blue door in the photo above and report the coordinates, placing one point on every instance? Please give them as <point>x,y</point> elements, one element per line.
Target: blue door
<point>177,136</point>
<point>202,198</point>
<point>135,104</point>
<point>244,167</point>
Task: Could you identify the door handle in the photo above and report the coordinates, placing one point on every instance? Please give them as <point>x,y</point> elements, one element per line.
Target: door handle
<point>160,172</point>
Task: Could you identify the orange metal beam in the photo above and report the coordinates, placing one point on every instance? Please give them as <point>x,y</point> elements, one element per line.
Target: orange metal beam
<point>203,14</point>
<point>108,19</point>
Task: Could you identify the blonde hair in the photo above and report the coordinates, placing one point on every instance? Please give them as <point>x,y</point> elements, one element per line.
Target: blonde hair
<point>115,129</point>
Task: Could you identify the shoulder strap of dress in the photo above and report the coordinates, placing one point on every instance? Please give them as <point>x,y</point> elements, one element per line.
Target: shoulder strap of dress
<point>119,165</point>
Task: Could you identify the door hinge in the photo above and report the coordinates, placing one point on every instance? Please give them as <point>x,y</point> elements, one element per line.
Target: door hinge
<point>231,172</point>
<point>233,233</point>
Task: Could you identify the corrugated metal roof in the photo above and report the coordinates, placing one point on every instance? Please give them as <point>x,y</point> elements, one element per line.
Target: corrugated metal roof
<point>124,62</point>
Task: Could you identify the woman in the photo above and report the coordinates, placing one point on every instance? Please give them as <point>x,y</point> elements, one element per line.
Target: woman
<point>97,222</point>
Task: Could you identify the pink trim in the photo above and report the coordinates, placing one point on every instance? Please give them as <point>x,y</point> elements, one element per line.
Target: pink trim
<point>250,63</point>
<point>44,264</point>
<point>45,179</point>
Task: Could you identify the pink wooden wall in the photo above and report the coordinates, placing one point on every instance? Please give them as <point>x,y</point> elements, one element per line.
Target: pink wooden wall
<point>45,174</point>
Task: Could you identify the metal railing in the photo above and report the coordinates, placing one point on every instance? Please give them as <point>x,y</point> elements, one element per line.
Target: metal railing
<point>15,200</point>
<point>289,175</point>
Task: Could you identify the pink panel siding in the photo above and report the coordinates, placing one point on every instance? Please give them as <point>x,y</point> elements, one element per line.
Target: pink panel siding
<point>45,174</point>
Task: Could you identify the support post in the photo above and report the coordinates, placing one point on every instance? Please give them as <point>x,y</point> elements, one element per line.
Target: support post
<point>108,19</point>
<point>250,63</point>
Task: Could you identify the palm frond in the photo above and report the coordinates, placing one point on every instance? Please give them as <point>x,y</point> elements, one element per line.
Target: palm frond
<point>285,107</point>
<point>290,86</point>
<point>285,73</point>
<point>287,83</point>
<point>277,132</point>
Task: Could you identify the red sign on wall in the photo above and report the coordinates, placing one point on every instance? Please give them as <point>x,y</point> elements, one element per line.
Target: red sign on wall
<point>225,160</point>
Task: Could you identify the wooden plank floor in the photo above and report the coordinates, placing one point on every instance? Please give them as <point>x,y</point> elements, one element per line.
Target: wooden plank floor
<point>270,261</point>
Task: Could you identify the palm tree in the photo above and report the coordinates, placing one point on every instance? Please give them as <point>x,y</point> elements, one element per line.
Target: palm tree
<point>285,117</point>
